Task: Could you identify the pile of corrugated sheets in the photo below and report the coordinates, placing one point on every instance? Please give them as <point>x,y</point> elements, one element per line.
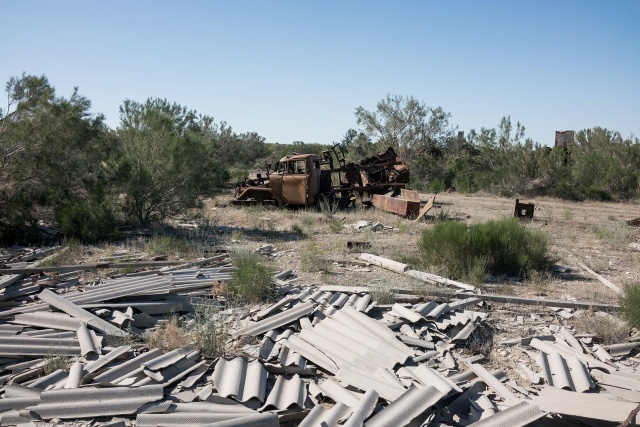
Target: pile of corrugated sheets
<point>324,358</point>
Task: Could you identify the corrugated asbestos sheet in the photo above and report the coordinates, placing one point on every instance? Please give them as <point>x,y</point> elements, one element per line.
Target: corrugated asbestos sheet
<point>326,356</point>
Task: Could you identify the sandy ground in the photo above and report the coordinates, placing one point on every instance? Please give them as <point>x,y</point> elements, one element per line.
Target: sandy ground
<point>592,233</point>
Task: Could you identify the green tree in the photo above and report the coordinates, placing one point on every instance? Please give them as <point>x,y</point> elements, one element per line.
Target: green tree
<point>51,154</point>
<point>419,134</point>
<point>168,161</point>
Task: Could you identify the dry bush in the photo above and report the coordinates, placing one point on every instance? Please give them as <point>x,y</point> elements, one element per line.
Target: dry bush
<point>169,336</point>
<point>608,328</point>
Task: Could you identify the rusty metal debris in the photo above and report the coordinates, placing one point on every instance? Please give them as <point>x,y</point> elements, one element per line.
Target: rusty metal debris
<point>634,222</point>
<point>306,179</point>
<point>523,210</point>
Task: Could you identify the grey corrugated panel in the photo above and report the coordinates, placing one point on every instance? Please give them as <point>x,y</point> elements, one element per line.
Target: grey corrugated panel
<point>464,332</point>
<point>362,302</point>
<point>87,341</point>
<point>22,364</point>
<point>311,353</point>
<point>330,388</point>
<point>277,320</point>
<point>337,352</point>
<point>76,373</point>
<point>169,358</point>
<point>516,416</point>
<point>218,405</point>
<point>9,279</point>
<point>60,321</point>
<point>319,416</point>
<point>18,290</point>
<point>181,369</point>
<point>566,351</point>
<point>53,334</point>
<point>457,305</point>
<point>16,403</point>
<point>94,402</point>
<point>72,309</point>
<point>339,299</point>
<point>618,380</point>
<point>194,376</point>
<point>481,408</point>
<point>365,381</point>
<point>621,349</point>
<point>332,341</point>
<point>35,350</point>
<point>569,373</point>
<point>258,420</point>
<point>17,390</point>
<point>362,409</point>
<point>127,367</point>
<point>103,361</point>
<point>470,375</point>
<point>240,379</point>
<point>357,336</point>
<point>44,382</point>
<point>156,307</point>
<point>429,345</point>
<point>372,327</point>
<point>274,307</point>
<point>588,405</point>
<point>38,341</point>
<point>10,418</point>
<point>181,419</point>
<point>288,357</point>
<point>438,310</point>
<point>463,401</point>
<point>413,404</point>
<point>286,393</point>
<point>427,376</point>
<point>493,382</point>
<point>401,311</point>
<point>10,329</point>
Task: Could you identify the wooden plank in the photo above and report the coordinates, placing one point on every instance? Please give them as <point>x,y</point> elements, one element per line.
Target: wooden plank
<point>604,281</point>
<point>426,207</point>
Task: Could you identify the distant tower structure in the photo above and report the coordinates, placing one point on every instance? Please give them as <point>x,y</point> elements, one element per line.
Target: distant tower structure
<point>565,138</point>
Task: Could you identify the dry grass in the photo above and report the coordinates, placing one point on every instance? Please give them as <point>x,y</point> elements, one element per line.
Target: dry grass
<point>53,362</point>
<point>169,336</point>
<point>608,328</point>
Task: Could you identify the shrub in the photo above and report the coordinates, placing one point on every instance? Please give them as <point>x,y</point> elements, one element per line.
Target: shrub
<point>630,303</point>
<point>166,246</point>
<point>252,281</point>
<point>313,259</point>
<point>608,328</point>
<point>503,247</point>
<point>437,185</point>
<point>87,219</point>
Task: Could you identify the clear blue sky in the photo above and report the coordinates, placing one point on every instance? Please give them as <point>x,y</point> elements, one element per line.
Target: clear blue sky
<point>297,70</point>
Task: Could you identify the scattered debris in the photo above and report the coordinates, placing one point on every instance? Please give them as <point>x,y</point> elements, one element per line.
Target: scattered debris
<point>320,355</point>
<point>523,210</point>
<point>634,222</point>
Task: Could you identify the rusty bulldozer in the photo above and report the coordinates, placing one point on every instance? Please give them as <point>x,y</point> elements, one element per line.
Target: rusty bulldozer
<point>306,180</point>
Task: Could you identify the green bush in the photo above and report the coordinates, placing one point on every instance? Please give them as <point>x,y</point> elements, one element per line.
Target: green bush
<point>88,220</point>
<point>437,185</point>
<point>630,303</point>
<point>503,247</point>
<point>252,281</point>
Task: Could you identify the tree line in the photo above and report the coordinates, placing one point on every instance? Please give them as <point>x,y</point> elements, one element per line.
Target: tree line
<point>61,162</point>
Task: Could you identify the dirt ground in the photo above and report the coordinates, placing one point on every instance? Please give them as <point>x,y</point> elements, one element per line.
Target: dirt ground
<point>592,233</point>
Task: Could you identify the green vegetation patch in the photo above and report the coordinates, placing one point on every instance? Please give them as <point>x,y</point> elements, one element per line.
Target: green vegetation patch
<point>252,281</point>
<point>502,247</point>
<point>630,303</point>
